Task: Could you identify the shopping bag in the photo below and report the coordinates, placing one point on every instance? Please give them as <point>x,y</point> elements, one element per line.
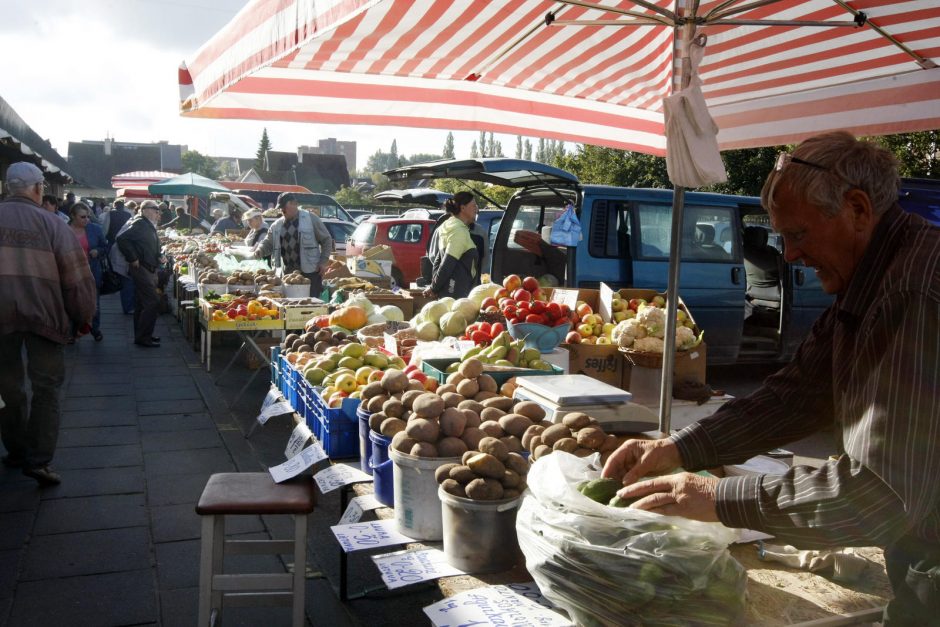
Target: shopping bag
<point>615,566</point>
<point>566,231</point>
<point>111,281</point>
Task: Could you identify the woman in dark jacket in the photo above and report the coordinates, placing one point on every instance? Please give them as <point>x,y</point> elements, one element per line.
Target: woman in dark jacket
<point>93,242</point>
<point>454,256</point>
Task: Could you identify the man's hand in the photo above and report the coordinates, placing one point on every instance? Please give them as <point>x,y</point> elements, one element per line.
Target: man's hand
<point>428,293</point>
<point>324,269</point>
<point>637,458</point>
<point>684,494</point>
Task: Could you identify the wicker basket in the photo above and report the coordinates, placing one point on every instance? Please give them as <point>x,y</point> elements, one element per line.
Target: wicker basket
<point>373,335</point>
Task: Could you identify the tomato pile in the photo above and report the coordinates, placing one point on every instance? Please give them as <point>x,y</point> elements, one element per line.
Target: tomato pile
<point>483,333</point>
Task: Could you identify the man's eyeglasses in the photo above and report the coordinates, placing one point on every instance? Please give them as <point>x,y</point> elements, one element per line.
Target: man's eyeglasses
<point>785,158</point>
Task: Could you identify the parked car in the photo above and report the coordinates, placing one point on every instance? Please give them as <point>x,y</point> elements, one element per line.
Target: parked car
<point>358,215</point>
<point>340,231</point>
<point>407,238</point>
<point>324,206</point>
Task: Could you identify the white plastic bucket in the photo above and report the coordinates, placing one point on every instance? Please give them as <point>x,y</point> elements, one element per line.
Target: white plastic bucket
<point>417,507</point>
<point>480,536</point>
<point>205,288</point>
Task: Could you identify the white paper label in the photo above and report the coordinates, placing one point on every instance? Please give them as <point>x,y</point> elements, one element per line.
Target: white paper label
<point>492,605</point>
<point>357,507</point>
<point>530,590</point>
<point>297,439</point>
<point>275,409</point>
<point>368,535</point>
<point>298,463</point>
<point>338,475</point>
<point>404,568</point>
<point>273,395</point>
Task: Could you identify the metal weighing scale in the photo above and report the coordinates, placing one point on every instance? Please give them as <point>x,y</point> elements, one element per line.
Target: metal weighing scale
<point>609,405</point>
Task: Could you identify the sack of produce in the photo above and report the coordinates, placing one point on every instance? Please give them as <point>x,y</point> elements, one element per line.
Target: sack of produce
<point>608,565</point>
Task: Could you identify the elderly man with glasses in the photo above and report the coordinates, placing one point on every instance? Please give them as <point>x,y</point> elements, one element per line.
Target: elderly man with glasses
<point>869,370</point>
<point>140,246</point>
<point>47,288</point>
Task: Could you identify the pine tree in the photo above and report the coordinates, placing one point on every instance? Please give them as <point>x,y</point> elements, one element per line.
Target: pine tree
<point>393,155</point>
<point>481,145</point>
<point>518,146</point>
<point>491,147</point>
<point>527,152</point>
<point>263,147</point>
<point>473,150</point>
<point>449,147</point>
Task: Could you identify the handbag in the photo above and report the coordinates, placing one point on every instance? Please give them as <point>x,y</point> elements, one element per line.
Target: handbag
<point>111,281</point>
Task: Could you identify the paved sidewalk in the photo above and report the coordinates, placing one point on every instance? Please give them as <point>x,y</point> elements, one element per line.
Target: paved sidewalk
<point>118,542</point>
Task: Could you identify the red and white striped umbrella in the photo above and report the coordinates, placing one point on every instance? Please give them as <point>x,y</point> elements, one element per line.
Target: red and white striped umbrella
<point>774,71</point>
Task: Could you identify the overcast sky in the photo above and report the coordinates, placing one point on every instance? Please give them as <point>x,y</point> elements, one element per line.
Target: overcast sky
<point>86,69</point>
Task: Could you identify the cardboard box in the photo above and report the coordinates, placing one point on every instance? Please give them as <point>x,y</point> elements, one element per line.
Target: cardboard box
<point>689,366</point>
<point>601,362</point>
<point>402,300</point>
<point>373,262</point>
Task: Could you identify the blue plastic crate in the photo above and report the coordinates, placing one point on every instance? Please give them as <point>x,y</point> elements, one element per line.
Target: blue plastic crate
<point>276,366</point>
<point>437,369</point>
<point>337,428</point>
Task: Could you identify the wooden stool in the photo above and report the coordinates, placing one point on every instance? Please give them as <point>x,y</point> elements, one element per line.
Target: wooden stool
<point>252,493</point>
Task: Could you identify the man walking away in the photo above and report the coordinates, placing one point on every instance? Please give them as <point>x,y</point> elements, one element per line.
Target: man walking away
<point>140,246</point>
<point>47,287</point>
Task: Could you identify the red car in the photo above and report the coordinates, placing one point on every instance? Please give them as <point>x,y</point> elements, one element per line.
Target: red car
<point>407,237</point>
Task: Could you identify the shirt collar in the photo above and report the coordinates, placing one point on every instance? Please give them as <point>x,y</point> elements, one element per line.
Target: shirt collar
<point>866,280</point>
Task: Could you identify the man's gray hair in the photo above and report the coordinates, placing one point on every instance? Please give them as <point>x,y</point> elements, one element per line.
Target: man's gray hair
<point>866,165</point>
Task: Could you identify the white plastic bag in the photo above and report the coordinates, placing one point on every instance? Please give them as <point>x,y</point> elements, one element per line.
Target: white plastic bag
<point>621,566</point>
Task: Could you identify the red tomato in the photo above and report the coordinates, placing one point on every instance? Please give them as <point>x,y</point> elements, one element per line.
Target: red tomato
<point>560,322</point>
<point>484,326</point>
<point>479,337</point>
<point>536,318</point>
<point>537,307</point>
<point>509,311</point>
<point>496,328</point>
<point>523,304</point>
<point>554,311</point>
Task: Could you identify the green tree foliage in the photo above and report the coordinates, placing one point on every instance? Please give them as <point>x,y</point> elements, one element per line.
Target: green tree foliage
<point>474,151</point>
<point>448,152</point>
<point>518,146</point>
<point>393,158</point>
<point>263,147</point>
<point>527,151</point>
<point>747,170</point>
<point>918,153</point>
<point>348,196</point>
<point>198,163</point>
<point>498,193</point>
<point>609,166</point>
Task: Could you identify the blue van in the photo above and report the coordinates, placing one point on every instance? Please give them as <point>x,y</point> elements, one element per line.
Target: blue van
<point>751,303</point>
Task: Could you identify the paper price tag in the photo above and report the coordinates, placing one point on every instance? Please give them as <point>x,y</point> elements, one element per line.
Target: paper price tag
<point>275,409</point>
<point>605,302</point>
<point>298,438</point>
<point>565,297</point>
<point>357,507</point>
<point>368,535</point>
<point>404,568</point>
<point>338,475</point>
<point>298,463</point>
<point>493,605</point>
<point>272,395</point>
<point>530,590</point>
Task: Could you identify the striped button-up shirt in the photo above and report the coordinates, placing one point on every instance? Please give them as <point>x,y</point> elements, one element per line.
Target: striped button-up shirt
<point>870,369</point>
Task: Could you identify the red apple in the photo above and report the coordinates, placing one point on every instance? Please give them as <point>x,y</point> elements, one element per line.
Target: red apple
<point>583,309</point>
<point>430,384</point>
<point>488,302</point>
<point>573,337</point>
<point>417,375</point>
<point>512,283</point>
<point>410,368</point>
<point>501,293</point>
<point>521,295</point>
<point>530,283</point>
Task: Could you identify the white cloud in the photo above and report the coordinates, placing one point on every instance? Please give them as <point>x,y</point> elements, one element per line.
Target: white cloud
<point>109,67</point>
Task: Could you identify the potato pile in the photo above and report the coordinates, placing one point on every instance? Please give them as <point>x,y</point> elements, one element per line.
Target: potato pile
<point>491,474</point>
<point>577,433</point>
<point>295,278</point>
<point>210,276</point>
<point>203,260</point>
<point>444,423</point>
<point>266,280</point>
<point>243,277</point>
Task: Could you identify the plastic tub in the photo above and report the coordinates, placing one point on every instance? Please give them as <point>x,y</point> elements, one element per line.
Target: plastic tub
<point>417,507</point>
<point>296,291</point>
<point>480,536</point>
<point>365,444</point>
<point>380,467</point>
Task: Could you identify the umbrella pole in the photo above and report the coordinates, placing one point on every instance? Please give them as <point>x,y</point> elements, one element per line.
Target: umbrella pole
<point>672,300</point>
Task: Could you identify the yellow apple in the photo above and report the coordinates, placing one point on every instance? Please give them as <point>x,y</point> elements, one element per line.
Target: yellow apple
<point>346,383</point>
<point>363,374</point>
<point>602,340</point>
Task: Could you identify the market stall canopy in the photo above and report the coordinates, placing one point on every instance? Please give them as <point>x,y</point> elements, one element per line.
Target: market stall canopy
<point>774,71</point>
<point>189,184</point>
<point>26,145</point>
<point>264,187</point>
<point>140,179</point>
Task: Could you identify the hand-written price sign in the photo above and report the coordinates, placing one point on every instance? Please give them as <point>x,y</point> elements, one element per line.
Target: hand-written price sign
<point>565,297</point>
<point>357,507</point>
<point>273,395</point>
<point>492,605</point>
<point>339,475</point>
<point>404,568</point>
<point>298,463</point>
<point>297,439</point>
<point>275,409</point>
<point>530,590</point>
<point>368,535</point>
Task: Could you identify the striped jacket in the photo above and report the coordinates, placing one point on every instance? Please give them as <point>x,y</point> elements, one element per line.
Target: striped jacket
<point>45,282</point>
<point>870,370</point>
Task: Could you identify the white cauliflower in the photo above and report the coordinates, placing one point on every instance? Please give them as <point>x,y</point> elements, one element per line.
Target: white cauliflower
<point>685,338</point>
<point>648,345</point>
<point>625,333</point>
<point>654,319</point>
